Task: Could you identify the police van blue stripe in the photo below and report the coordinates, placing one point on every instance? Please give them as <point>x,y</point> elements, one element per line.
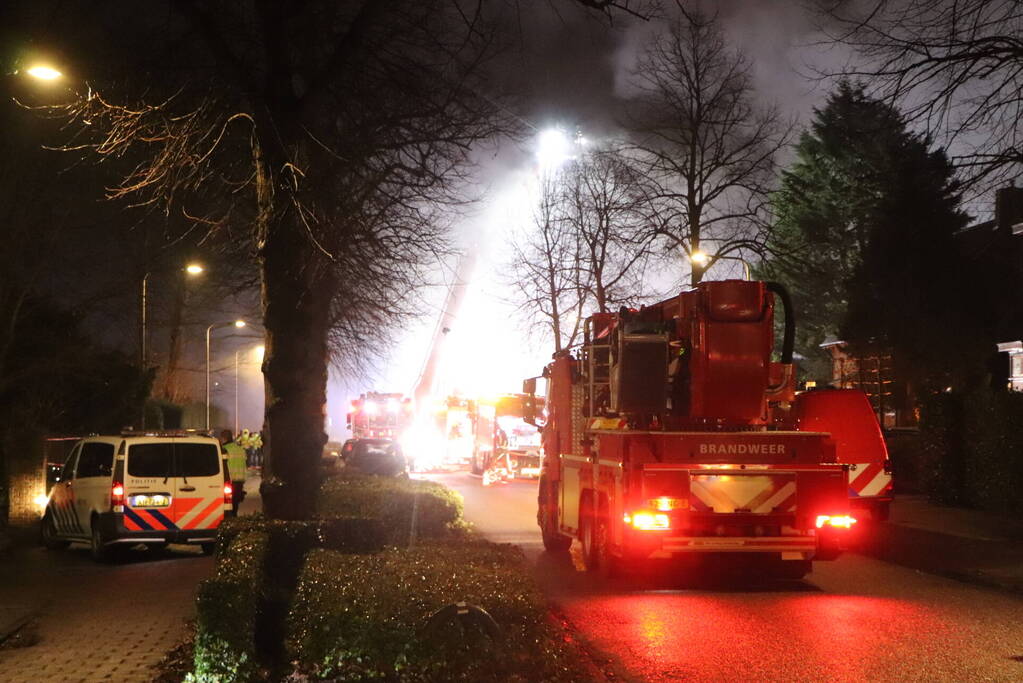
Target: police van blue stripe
<point>162,519</point>
<point>133,516</point>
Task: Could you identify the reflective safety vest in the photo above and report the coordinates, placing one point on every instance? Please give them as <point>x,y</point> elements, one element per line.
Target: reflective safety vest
<point>235,461</point>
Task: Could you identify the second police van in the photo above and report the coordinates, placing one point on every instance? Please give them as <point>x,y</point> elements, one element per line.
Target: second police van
<point>134,488</point>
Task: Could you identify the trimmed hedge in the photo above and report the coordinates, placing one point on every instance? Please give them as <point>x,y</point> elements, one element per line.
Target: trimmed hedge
<point>227,606</point>
<point>972,448</point>
<point>357,617</point>
<point>351,534</point>
<point>408,509</point>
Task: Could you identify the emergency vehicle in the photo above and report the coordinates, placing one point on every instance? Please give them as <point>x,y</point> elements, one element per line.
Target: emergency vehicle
<point>672,433</point>
<point>151,488</point>
<point>377,415</point>
<point>505,445</point>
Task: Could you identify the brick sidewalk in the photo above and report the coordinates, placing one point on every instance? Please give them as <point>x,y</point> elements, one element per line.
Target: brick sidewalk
<point>97,622</point>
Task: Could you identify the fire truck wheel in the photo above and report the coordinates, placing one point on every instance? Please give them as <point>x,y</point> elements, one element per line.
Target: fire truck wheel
<point>553,542</point>
<point>595,535</point>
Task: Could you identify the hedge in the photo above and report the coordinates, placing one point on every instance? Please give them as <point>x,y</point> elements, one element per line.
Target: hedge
<point>351,534</point>
<point>408,509</point>
<point>227,605</point>
<point>972,447</point>
<point>358,617</point>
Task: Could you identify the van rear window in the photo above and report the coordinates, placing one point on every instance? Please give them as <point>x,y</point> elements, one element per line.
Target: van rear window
<point>197,460</point>
<point>173,460</point>
<point>151,460</point>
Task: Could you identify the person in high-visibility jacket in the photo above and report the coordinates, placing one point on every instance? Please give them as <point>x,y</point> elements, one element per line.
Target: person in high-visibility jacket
<point>236,465</point>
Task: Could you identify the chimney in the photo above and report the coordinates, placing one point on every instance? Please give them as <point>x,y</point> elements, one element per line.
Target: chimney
<point>1009,210</point>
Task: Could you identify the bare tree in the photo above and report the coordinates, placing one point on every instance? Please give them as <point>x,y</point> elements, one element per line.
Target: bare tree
<point>605,202</point>
<point>334,137</point>
<point>547,268</point>
<point>707,143</point>
<point>954,67</point>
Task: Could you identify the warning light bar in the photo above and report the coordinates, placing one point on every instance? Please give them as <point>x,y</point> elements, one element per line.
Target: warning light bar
<point>841,521</point>
<point>648,521</point>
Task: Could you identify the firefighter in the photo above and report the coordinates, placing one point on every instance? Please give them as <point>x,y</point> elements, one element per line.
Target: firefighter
<point>236,465</point>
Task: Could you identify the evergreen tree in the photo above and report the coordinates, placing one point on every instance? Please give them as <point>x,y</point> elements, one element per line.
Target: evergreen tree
<point>864,238</point>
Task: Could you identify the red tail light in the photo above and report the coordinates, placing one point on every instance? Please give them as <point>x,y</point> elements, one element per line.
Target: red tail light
<point>840,521</point>
<point>117,495</point>
<point>648,521</point>
<point>228,493</point>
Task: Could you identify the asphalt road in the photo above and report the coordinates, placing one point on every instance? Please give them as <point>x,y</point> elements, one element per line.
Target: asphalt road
<point>855,619</point>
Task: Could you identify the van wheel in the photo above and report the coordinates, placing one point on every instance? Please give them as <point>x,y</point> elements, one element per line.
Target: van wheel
<point>48,534</point>
<point>99,551</point>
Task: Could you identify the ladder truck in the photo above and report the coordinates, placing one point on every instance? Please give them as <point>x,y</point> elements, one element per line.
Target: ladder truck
<point>671,433</point>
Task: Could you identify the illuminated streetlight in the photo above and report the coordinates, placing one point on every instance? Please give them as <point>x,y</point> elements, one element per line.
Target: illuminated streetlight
<point>257,354</point>
<point>43,72</point>
<point>194,269</point>
<point>553,148</point>
<point>236,323</point>
<point>703,259</point>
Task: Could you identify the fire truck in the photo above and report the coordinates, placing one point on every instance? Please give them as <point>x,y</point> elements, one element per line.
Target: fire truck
<point>380,416</point>
<point>671,433</point>
<point>505,445</point>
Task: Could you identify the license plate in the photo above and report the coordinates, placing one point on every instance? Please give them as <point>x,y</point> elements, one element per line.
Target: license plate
<point>149,500</point>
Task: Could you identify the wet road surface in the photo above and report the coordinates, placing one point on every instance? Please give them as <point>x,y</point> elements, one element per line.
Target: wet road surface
<point>855,619</point>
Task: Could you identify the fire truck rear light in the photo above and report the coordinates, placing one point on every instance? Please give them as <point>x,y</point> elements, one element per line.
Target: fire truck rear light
<point>648,521</point>
<point>840,521</point>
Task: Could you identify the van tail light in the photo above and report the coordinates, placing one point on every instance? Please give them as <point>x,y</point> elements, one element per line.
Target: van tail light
<point>648,521</point>
<point>117,497</point>
<point>838,521</point>
<point>228,493</point>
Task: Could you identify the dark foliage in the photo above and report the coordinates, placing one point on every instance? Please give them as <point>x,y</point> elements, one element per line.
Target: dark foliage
<point>973,449</point>
<point>864,239</point>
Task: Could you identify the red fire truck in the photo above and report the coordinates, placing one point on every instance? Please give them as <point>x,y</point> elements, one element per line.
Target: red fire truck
<point>505,445</point>
<point>380,416</point>
<point>672,433</point>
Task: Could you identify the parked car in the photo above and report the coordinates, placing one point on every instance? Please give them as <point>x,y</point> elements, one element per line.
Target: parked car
<point>139,488</point>
<point>375,456</point>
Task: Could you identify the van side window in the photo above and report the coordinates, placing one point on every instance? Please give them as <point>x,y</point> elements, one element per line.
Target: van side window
<point>68,472</point>
<point>96,460</point>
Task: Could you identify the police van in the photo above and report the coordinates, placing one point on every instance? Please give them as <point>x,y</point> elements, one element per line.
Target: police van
<point>139,488</point>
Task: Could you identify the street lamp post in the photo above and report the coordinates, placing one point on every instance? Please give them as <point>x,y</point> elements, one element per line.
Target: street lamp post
<point>192,269</point>
<point>258,350</point>
<point>236,323</point>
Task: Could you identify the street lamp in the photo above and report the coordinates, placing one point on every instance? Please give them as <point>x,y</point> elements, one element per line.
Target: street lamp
<point>236,323</point>
<point>192,269</point>
<point>258,352</point>
<point>43,72</point>
<point>703,259</point>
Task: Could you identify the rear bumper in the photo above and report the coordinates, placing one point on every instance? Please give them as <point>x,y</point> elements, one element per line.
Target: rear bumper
<point>111,526</point>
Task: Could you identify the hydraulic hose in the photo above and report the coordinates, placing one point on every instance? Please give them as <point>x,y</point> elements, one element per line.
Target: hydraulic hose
<point>789,340</point>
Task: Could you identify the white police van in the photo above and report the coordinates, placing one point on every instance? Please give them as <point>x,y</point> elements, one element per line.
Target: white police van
<point>152,488</point>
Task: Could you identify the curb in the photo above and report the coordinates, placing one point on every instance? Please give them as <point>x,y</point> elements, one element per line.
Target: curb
<point>953,557</point>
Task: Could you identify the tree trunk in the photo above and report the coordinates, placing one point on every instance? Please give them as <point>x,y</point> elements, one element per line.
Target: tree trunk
<point>297,287</point>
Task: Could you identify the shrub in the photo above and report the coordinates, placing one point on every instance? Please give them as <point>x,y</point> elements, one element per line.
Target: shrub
<point>227,605</point>
<point>351,534</point>
<point>407,508</point>
<point>356,617</point>
<point>973,449</point>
